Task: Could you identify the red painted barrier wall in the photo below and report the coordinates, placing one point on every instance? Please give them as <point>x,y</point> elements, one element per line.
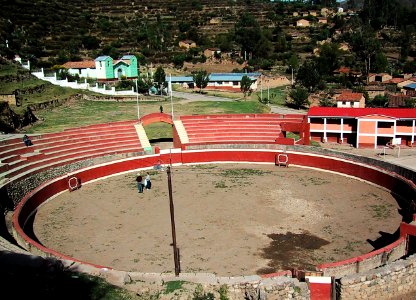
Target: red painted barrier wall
<point>156,118</point>
<point>32,200</point>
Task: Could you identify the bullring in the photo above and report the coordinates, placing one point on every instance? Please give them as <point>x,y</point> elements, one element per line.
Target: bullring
<point>398,180</point>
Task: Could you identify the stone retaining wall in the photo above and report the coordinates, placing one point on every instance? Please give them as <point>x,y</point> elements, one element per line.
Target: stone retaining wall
<point>121,98</point>
<point>52,103</point>
<point>389,281</point>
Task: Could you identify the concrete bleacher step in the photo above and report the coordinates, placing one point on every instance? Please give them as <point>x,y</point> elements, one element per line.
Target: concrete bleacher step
<point>62,151</point>
<point>88,143</point>
<point>79,134</point>
<point>232,123</point>
<point>183,135</point>
<point>119,124</point>
<point>53,161</point>
<point>59,140</point>
<point>144,140</point>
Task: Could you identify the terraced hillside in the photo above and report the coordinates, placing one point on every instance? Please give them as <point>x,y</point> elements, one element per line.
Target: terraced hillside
<point>76,29</point>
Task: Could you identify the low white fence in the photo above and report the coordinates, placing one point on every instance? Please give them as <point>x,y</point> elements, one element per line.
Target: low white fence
<point>83,86</point>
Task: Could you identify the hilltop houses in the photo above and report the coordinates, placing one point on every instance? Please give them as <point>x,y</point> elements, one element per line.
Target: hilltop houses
<point>348,99</point>
<point>104,68</point>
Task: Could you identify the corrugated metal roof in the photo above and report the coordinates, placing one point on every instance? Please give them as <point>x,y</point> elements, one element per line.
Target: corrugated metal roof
<point>127,57</point>
<point>180,78</point>
<point>102,57</point>
<point>411,86</point>
<point>399,113</point>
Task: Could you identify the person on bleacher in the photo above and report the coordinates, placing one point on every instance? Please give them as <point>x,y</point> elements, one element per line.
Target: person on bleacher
<point>27,141</point>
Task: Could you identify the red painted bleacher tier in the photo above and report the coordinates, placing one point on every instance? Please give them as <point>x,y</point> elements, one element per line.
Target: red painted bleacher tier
<point>71,145</point>
<point>237,128</point>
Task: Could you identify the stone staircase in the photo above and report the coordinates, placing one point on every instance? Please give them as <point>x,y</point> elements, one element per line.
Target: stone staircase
<point>144,140</point>
<point>183,136</point>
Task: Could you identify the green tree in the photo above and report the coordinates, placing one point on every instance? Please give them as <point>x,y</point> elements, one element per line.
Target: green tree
<point>365,45</point>
<point>160,78</point>
<point>379,101</point>
<point>326,102</point>
<point>293,61</point>
<point>410,103</point>
<point>247,33</point>
<point>245,85</point>
<point>90,42</point>
<point>144,83</point>
<point>380,63</point>
<point>201,79</point>
<point>299,97</point>
<point>328,59</point>
<point>308,76</point>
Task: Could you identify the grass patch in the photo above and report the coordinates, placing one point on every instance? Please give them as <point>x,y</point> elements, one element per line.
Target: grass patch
<point>9,69</point>
<point>351,246</point>
<point>83,112</point>
<point>276,96</point>
<point>159,131</point>
<point>380,211</point>
<point>243,173</point>
<point>172,286</point>
<point>220,185</point>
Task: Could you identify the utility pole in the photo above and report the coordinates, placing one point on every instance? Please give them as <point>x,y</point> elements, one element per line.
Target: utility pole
<point>261,87</point>
<point>268,92</point>
<point>292,74</point>
<point>137,101</point>
<point>171,91</point>
<point>172,221</point>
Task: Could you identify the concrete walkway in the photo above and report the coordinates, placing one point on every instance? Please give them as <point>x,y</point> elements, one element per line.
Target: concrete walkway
<point>405,158</point>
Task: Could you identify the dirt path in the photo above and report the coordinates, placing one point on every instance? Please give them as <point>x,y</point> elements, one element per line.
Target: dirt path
<point>231,219</point>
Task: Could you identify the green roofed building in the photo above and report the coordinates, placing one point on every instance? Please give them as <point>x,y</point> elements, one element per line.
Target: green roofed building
<point>109,69</point>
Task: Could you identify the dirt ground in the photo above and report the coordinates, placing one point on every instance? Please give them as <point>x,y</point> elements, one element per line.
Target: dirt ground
<point>231,219</point>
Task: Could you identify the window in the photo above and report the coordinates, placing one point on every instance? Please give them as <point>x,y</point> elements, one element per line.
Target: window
<point>235,83</point>
<point>405,123</point>
<point>385,124</point>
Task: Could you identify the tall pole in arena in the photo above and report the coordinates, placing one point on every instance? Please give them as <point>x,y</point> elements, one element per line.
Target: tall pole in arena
<point>172,220</point>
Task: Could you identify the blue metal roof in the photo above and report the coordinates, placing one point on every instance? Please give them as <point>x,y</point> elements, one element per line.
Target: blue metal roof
<point>237,74</point>
<point>411,86</point>
<point>102,57</point>
<point>228,77</point>
<point>180,78</point>
<point>129,56</point>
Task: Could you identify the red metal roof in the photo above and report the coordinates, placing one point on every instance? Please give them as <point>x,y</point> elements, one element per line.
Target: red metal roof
<point>399,113</point>
<point>80,64</point>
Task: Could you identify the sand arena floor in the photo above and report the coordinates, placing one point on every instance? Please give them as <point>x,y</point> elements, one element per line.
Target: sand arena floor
<point>231,219</point>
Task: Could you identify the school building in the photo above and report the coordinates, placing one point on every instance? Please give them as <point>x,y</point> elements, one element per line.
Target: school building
<point>363,127</point>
